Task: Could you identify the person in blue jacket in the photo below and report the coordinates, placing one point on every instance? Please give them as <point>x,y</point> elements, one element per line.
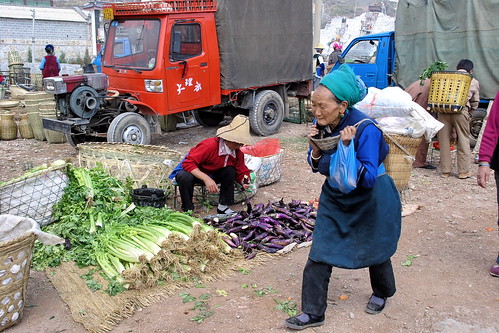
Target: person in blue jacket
<point>98,61</point>
<point>356,229</point>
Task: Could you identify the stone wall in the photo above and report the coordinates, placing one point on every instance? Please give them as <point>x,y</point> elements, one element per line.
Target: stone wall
<point>72,38</point>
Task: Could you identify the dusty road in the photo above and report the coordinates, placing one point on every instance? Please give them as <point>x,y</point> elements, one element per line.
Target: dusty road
<point>441,265</point>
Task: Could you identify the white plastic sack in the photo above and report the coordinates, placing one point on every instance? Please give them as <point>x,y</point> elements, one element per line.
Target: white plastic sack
<point>388,102</point>
<point>252,162</point>
<point>432,126</point>
<point>410,126</point>
<point>12,226</point>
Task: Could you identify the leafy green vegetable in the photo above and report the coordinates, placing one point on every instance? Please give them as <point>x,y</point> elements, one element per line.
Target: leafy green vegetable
<point>186,297</point>
<point>93,285</point>
<point>434,67</point>
<point>408,261</point>
<point>201,316</point>
<point>103,228</point>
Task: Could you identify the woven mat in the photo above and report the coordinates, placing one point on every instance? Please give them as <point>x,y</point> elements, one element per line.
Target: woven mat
<point>99,312</point>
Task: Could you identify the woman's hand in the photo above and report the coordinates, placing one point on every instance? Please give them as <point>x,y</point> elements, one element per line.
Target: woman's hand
<point>347,134</point>
<point>482,176</point>
<point>313,131</point>
<point>211,185</point>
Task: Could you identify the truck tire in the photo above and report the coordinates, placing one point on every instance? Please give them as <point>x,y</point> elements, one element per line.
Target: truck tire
<point>267,113</point>
<point>476,123</point>
<point>208,118</point>
<point>129,127</point>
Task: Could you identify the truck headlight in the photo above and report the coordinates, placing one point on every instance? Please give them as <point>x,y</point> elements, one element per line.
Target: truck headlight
<point>154,85</point>
<point>49,86</point>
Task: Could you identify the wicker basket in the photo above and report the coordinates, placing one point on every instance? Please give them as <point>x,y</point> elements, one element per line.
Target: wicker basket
<point>34,194</point>
<point>398,164</point>
<point>448,91</point>
<point>15,262</point>
<point>144,164</point>
<point>36,125</point>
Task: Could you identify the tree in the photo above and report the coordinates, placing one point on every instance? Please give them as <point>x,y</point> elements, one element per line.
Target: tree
<point>87,59</point>
<point>29,55</point>
<point>62,57</point>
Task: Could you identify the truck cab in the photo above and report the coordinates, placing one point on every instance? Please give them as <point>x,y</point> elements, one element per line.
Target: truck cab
<point>168,62</point>
<point>372,57</point>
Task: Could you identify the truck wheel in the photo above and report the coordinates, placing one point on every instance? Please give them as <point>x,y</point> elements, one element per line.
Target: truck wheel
<point>267,113</point>
<point>208,118</point>
<point>476,123</point>
<point>130,128</point>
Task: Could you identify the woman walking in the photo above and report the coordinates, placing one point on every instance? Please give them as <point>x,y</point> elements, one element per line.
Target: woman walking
<point>356,229</point>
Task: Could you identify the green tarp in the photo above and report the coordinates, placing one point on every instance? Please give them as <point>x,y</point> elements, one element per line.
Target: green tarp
<point>264,42</point>
<point>448,30</point>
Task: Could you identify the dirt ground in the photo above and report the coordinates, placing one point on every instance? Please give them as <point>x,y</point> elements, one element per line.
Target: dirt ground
<point>447,246</point>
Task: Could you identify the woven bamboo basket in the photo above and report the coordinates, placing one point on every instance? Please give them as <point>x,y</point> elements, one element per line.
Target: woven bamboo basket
<point>53,137</point>
<point>36,124</point>
<point>15,262</point>
<point>448,91</point>
<point>398,164</point>
<point>144,164</point>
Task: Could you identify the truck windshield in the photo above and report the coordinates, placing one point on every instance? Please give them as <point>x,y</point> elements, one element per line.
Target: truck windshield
<point>363,52</point>
<point>132,44</point>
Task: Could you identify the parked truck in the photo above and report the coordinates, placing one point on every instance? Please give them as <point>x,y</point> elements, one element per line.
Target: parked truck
<point>426,31</point>
<point>216,58</point>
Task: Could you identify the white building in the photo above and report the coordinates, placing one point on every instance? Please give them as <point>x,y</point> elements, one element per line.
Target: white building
<point>24,28</point>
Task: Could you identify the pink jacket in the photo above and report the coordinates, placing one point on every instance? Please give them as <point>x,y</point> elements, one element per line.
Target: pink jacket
<point>490,134</point>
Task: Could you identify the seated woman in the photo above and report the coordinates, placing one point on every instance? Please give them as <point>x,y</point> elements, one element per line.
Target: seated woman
<point>216,160</point>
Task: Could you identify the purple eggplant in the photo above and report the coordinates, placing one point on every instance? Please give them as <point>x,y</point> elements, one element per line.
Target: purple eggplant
<point>235,239</point>
<point>267,248</point>
<point>267,239</point>
<point>260,237</point>
<point>273,245</point>
<point>246,246</point>
<point>282,242</point>
<point>248,207</point>
<point>251,255</point>
<point>229,242</point>
<point>249,235</point>
<point>236,229</point>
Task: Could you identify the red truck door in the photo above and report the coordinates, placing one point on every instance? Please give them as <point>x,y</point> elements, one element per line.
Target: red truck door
<point>187,66</point>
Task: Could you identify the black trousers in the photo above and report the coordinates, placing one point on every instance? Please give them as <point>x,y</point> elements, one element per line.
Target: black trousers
<point>315,285</point>
<point>225,177</point>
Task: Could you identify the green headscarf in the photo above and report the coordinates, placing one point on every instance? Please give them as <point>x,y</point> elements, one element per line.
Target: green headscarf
<point>345,85</point>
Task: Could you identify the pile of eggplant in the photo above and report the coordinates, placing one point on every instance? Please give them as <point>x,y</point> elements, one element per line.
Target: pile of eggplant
<point>269,227</point>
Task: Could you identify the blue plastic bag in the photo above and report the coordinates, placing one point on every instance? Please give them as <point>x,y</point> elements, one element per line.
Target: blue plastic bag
<point>343,168</point>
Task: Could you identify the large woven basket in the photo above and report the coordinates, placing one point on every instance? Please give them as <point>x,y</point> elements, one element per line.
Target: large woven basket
<point>398,163</point>
<point>34,194</point>
<point>15,262</point>
<point>144,164</point>
<point>448,91</point>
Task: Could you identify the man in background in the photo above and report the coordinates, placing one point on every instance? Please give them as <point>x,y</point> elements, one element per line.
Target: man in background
<point>419,92</point>
<point>318,65</point>
<point>461,123</point>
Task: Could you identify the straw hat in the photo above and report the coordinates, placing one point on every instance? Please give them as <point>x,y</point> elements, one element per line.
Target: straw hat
<point>237,131</point>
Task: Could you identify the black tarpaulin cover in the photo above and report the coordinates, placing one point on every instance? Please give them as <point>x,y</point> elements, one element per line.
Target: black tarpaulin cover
<point>264,42</point>
<point>448,30</point>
